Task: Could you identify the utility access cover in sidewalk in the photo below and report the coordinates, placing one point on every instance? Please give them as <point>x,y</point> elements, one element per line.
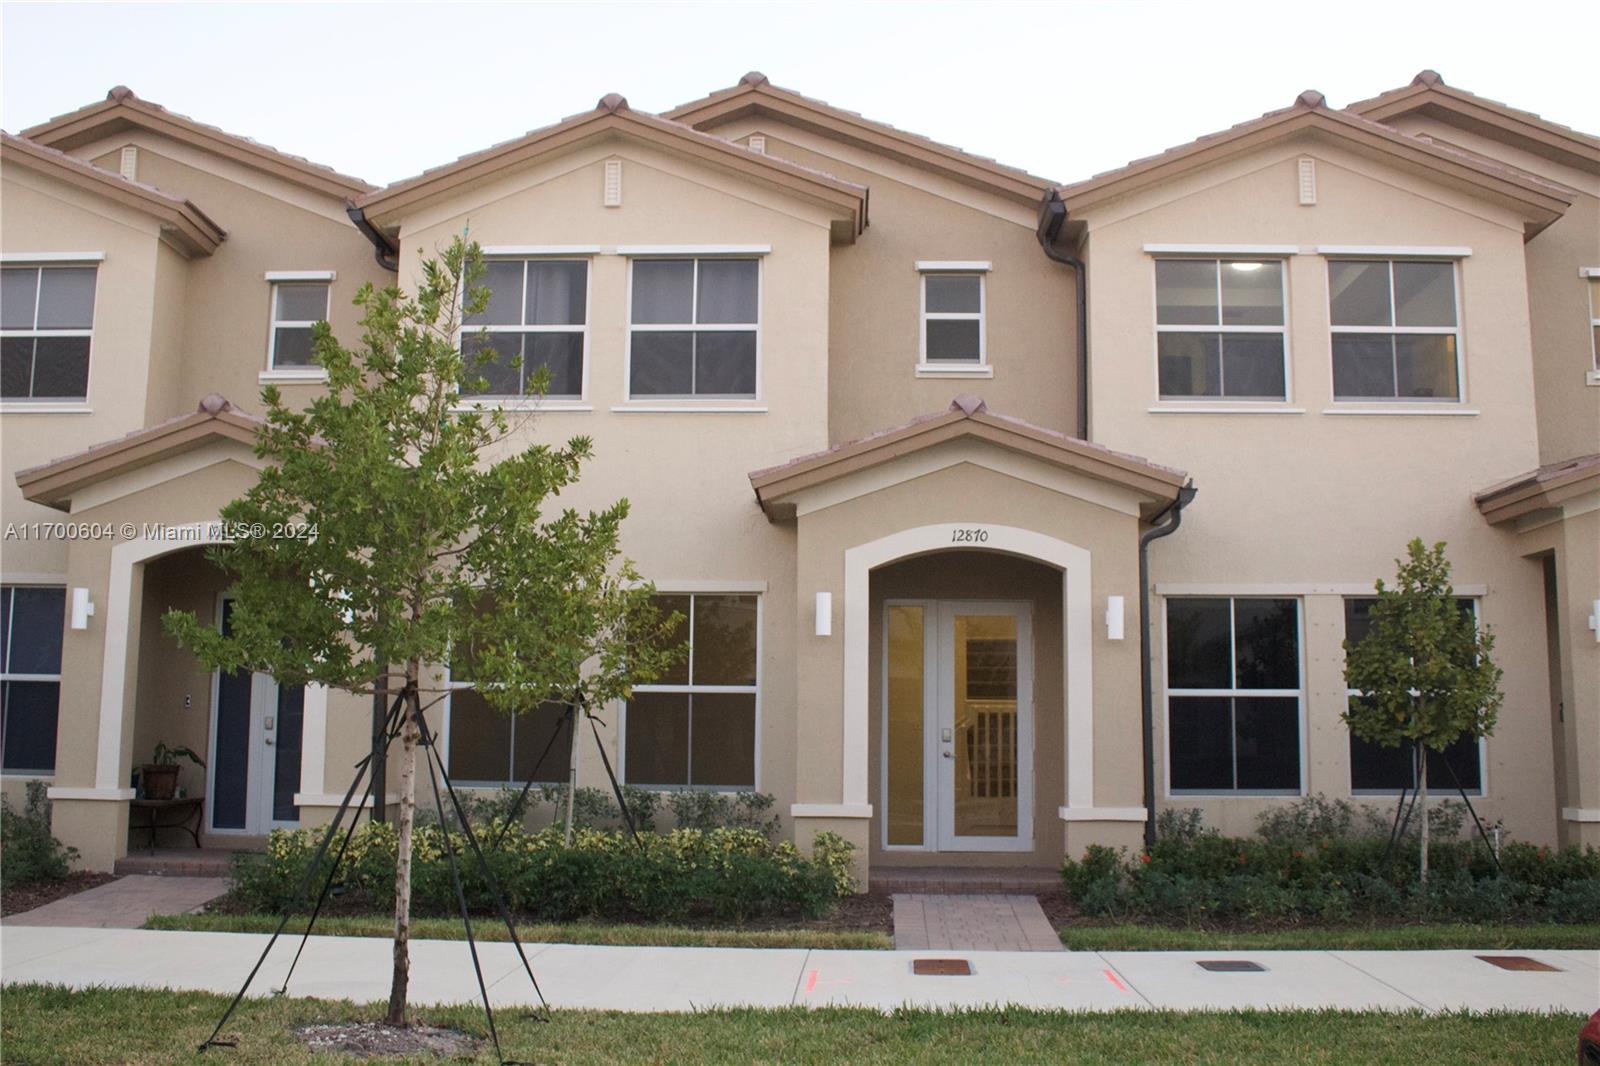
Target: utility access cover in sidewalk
<point>1519,962</point>
<point>1231,966</point>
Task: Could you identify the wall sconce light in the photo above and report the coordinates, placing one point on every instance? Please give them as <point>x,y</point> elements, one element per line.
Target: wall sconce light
<point>824,614</point>
<point>1113,617</point>
<point>82,608</point>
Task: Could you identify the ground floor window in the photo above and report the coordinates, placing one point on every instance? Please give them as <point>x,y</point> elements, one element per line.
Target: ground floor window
<point>1234,695</point>
<point>30,676</point>
<point>696,727</point>
<point>488,746</point>
<point>1377,769</point>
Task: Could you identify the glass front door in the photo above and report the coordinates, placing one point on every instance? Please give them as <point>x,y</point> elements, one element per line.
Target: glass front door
<point>958,726</point>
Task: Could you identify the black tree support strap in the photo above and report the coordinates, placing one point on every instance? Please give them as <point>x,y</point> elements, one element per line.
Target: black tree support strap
<point>483,862</point>
<point>300,892</point>
<point>1475,819</point>
<point>616,789</point>
<point>570,721</point>
<point>461,897</point>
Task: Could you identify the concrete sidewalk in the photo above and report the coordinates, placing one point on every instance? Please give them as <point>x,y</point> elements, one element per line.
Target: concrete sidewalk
<point>681,979</point>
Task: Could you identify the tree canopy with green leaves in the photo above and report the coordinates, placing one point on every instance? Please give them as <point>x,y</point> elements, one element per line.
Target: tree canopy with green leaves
<point>1423,673</point>
<point>418,549</point>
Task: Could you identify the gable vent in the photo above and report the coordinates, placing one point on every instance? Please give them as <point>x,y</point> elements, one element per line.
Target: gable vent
<point>130,163</point>
<point>758,143</point>
<point>613,190</point>
<point>1308,181</point>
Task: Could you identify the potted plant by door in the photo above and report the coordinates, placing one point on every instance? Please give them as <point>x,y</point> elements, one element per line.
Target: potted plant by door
<point>159,777</point>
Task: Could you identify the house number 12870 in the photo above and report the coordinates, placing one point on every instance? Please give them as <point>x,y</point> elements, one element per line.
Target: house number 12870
<point>968,536</point>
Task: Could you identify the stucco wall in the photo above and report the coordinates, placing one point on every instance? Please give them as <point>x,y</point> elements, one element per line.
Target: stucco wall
<point>1303,501</point>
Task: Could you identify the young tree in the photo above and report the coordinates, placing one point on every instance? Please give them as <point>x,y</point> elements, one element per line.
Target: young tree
<point>418,550</point>
<point>1423,671</point>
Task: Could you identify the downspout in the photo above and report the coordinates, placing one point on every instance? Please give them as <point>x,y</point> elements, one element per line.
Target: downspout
<point>387,255</point>
<point>1052,216</point>
<point>1174,517</point>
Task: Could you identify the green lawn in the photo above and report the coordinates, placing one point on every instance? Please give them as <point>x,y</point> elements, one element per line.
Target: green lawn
<point>46,1025</point>
<point>1379,938</point>
<point>576,933</point>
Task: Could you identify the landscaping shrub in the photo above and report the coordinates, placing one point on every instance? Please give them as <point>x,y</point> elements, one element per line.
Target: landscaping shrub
<point>699,809</point>
<point>28,851</point>
<point>720,874</point>
<point>1319,860</point>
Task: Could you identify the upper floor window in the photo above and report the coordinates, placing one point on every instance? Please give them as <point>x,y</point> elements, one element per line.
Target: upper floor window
<point>952,319</point>
<point>1377,769</point>
<point>696,726</point>
<point>1220,329</point>
<point>1396,334</point>
<point>1594,316</point>
<point>31,618</point>
<point>296,307</point>
<point>537,318</point>
<point>694,328</point>
<point>1233,695</point>
<point>46,320</point>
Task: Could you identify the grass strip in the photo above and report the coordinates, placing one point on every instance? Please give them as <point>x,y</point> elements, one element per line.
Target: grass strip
<point>48,1025</point>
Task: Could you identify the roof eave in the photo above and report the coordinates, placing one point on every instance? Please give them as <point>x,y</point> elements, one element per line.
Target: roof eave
<point>1532,132</point>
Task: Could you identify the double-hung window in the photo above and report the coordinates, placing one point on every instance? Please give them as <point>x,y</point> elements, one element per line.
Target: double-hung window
<point>1234,693</point>
<point>696,726</point>
<point>297,306</point>
<point>1396,330</point>
<point>46,321</point>
<point>1375,769</point>
<point>694,326</point>
<point>1220,329</point>
<point>30,676</point>
<point>488,746</point>
<point>536,319</point>
<point>1593,274</point>
<point>952,320</point>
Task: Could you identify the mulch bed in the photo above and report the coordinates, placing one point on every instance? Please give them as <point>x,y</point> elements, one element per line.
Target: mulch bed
<point>372,1040</point>
<point>14,899</point>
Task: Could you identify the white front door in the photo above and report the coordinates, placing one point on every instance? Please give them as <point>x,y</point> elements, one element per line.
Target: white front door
<point>254,767</point>
<point>958,736</point>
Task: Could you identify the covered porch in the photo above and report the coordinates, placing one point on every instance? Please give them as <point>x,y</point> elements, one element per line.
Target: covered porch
<point>969,678</point>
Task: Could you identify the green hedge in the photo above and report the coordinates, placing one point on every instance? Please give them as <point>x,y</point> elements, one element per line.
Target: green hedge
<point>720,874</point>
<point>1203,877</point>
<point>28,851</point>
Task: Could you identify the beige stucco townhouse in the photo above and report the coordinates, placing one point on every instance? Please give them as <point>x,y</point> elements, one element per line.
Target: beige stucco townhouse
<point>998,524</point>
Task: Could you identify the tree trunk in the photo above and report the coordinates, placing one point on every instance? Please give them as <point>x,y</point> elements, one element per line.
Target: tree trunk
<point>1422,800</point>
<point>402,866</point>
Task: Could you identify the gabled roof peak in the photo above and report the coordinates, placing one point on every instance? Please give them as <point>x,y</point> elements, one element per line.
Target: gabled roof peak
<point>1311,98</point>
<point>612,103</point>
<point>1427,77</point>
<point>754,77</point>
<point>121,92</point>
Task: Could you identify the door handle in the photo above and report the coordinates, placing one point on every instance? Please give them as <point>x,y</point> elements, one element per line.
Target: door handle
<point>269,742</point>
<point>947,755</point>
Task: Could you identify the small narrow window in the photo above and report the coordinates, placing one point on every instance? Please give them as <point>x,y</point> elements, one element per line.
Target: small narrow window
<point>296,307</point>
<point>1377,770</point>
<point>1220,329</point>
<point>31,618</point>
<point>1234,694</point>
<point>1396,334</point>
<point>952,319</point>
<point>696,727</point>
<point>536,318</point>
<point>46,323</point>
<point>1594,318</point>
<point>694,327</point>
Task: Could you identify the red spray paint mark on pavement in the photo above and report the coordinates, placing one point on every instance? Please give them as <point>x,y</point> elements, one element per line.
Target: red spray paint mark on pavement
<point>1114,979</point>
<point>811,983</point>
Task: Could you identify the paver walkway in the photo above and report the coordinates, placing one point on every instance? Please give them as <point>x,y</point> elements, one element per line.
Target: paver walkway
<point>125,903</point>
<point>971,923</point>
<point>579,976</point>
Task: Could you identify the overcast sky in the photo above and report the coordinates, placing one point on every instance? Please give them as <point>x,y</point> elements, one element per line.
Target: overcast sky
<point>1062,89</point>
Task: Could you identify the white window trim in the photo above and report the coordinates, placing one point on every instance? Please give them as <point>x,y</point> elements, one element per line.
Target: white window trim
<point>1384,251</point>
<point>539,251</point>
<point>954,266</point>
<point>1483,745</point>
<point>524,402</point>
<point>950,367</point>
<point>53,404</point>
<point>1223,251</point>
<point>24,581</point>
<point>711,402</point>
<point>692,251</point>
<point>692,589</point>
<point>292,373</point>
<point>1410,404</point>
<point>1214,404</point>
<point>1592,276</point>
<point>1299,695</point>
<point>37,258</point>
